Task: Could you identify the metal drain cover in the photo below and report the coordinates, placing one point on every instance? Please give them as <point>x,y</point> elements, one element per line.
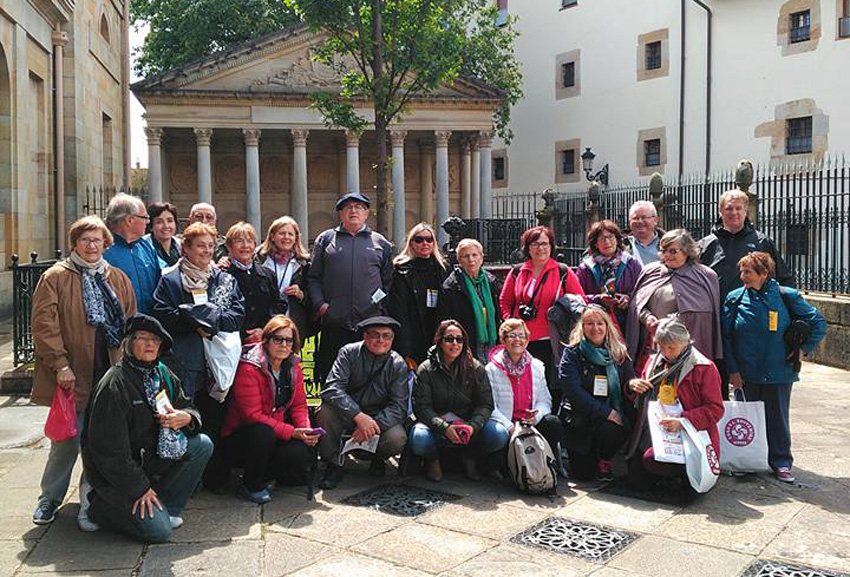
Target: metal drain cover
<point>400,500</point>
<point>765,568</point>
<point>585,540</point>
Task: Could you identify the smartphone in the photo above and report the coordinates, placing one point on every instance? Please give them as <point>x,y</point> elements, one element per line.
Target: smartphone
<point>318,431</point>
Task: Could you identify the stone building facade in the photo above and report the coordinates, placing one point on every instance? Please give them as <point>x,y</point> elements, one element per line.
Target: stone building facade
<point>236,129</point>
<point>64,78</point>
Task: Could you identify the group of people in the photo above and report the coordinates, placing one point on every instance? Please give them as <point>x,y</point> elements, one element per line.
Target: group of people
<point>183,352</point>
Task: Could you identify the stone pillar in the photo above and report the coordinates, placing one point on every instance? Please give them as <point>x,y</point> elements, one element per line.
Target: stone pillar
<point>342,168</point>
<point>399,209</point>
<point>465,167</point>
<point>426,181</point>
<point>203,136</point>
<point>60,40</point>
<point>441,137</point>
<point>154,136</point>
<point>299,180</point>
<point>352,161</point>
<point>485,143</point>
<point>474,179</point>
<point>252,178</point>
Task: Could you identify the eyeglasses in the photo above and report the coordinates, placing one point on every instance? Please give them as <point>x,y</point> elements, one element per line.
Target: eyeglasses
<point>354,206</point>
<point>638,218</point>
<point>383,336</point>
<point>148,339</point>
<point>671,251</point>
<point>539,244</point>
<point>516,336</point>
<point>453,339</point>
<point>421,239</point>
<point>607,237</point>
<point>279,340</point>
<point>200,217</point>
<point>144,217</point>
<point>91,241</point>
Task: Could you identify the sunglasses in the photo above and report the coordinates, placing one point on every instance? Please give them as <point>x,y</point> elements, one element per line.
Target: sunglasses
<point>278,340</point>
<point>453,339</point>
<point>421,239</point>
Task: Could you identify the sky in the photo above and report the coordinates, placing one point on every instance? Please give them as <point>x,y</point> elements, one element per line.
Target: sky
<point>138,143</point>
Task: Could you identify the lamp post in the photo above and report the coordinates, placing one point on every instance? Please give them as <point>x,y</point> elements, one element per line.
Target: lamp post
<point>587,164</point>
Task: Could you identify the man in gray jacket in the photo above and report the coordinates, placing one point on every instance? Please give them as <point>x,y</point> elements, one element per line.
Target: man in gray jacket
<point>349,278</point>
<point>365,395</point>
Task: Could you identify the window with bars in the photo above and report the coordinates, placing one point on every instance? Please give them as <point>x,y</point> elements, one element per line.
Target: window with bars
<point>798,135</point>
<point>568,3</point>
<point>652,152</point>
<point>499,168</point>
<point>568,74</point>
<point>800,29</point>
<point>653,55</point>
<point>568,162</point>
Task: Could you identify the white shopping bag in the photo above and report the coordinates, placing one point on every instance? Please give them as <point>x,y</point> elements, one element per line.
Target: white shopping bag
<point>667,446</point>
<point>222,352</point>
<point>701,462</point>
<point>743,437</point>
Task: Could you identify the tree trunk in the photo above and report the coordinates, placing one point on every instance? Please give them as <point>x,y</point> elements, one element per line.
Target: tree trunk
<point>379,100</point>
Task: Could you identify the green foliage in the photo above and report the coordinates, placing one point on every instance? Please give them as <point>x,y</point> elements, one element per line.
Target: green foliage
<point>185,30</point>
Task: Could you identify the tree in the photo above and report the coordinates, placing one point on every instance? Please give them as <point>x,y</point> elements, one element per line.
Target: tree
<point>184,30</point>
<point>391,51</point>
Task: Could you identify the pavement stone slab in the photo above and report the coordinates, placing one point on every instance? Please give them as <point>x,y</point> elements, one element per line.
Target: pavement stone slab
<point>22,424</point>
<point>13,528</point>
<point>744,536</point>
<point>223,524</point>
<point>620,512</point>
<point>658,557</point>
<point>20,502</point>
<point>285,506</point>
<point>510,560</point>
<point>341,525</point>
<point>348,564</point>
<point>492,520</point>
<point>811,548</point>
<point>772,504</point>
<point>822,520</point>
<point>179,559</point>
<point>286,553</point>
<point>27,472</point>
<point>424,547</point>
<point>12,555</point>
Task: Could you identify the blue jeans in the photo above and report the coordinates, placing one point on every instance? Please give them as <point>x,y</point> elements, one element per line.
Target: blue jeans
<point>60,465</point>
<point>424,443</point>
<point>777,401</point>
<point>173,490</point>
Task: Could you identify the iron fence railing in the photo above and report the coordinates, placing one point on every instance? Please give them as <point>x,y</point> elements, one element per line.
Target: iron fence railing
<point>97,197</point>
<point>24,280</point>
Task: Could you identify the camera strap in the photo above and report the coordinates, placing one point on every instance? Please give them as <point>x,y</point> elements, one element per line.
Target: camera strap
<point>539,284</point>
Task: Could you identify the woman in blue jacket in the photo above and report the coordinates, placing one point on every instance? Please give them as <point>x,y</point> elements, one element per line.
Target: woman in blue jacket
<point>755,320</point>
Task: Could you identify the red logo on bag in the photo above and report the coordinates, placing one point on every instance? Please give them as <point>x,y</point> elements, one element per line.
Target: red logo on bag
<point>740,432</point>
<point>713,461</point>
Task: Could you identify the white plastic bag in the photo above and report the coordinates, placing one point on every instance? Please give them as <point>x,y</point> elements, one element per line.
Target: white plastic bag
<point>743,437</point>
<point>666,445</point>
<point>222,352</point>
<point>701,462</point>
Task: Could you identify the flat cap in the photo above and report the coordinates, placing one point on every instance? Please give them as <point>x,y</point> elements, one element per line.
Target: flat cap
<point>352,197</point>
<point>378,321</point>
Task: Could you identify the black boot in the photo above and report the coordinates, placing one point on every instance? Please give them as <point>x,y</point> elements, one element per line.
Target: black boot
<point>332,477</point>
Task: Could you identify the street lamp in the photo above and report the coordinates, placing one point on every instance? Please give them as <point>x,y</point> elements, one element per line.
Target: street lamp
<point>587,164</point>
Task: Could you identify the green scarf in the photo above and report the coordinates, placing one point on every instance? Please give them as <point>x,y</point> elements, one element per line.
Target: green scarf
<point>485,330</point>
<point>601,357</point>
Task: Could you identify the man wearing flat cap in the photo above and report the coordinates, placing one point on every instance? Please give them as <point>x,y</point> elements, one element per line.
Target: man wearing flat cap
<point>349,278</point>
<point>365,394</point>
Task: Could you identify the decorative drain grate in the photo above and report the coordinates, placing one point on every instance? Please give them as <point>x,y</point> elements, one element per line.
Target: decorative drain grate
<point>764,568</point>
<point>400,500</point>
<point>585,540</point>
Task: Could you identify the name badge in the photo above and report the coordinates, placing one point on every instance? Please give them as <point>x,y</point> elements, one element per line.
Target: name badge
<point>162,403</point>
<point>199,297</point>
<point>600,386</point>
<point>378,296</point>
<point>431,299</point>
<point>773,321</point>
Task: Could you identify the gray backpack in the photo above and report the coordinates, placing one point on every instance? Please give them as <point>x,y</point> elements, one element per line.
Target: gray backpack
<point>531,461</point>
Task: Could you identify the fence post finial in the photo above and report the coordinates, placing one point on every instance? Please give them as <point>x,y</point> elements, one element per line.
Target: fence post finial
<point>594,192</point>
<point>546,214</point>
<point>743,181</point>
<point>656,193</point>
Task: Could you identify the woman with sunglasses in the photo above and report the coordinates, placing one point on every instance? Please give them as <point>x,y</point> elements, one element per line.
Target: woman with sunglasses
<point>678,283</point>
<point>267,430</point>
<point>452,401</point>
<point>418,274</point>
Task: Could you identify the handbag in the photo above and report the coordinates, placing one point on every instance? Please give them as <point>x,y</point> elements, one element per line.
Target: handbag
<point>61,423</point>
<point>701,462</point>
<point>222,352</point>
<point>743,436</point>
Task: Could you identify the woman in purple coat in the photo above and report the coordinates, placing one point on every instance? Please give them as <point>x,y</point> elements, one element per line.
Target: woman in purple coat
<point>608,274</point>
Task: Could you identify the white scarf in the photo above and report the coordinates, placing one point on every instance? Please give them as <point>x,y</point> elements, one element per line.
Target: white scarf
<point>192,277</point>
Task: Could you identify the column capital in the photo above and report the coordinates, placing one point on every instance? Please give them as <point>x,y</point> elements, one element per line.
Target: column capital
<point>203,136</point>
<point>59,38</point>
<point>485,139</point>
<point>465,146</point>
<point>154,136</point>
<point>441,138</point>
<point>397,136</point>
<point>352,138</point>
<point>252,136</point>
<point>299,136</point>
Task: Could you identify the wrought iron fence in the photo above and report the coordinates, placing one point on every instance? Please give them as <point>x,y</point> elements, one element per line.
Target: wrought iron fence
<point>500,237</point>
<point>98,197</point>
<point>24,280</point>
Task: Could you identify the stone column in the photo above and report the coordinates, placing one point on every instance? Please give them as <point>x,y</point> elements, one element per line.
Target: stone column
<point>485,143</point>
<point>299,180</point>
<point>204,137</point>
<point>441,137</point>
<point>252,178</point>
<point>426,181</point>
<point>399,208</point>
<point>352,161</point>
<point>474,179</point>
<point>340,149</point>
<point>60,40</point>
<point>465,161</point>
<point>154,136</point>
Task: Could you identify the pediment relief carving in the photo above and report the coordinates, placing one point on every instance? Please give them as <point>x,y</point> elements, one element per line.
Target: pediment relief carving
<point>299,74</point>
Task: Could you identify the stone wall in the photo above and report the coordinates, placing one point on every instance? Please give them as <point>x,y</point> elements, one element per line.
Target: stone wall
<point>834,350</point>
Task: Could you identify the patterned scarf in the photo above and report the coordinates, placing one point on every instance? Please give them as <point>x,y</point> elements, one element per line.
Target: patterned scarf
<point>103,310</point>
<point>485,313</point>
<point>606,271</point>
<point>601,357</point>
<point>172,443</point>
<point>193,278</point>
<point>516,369</point>
<point>240,265</point>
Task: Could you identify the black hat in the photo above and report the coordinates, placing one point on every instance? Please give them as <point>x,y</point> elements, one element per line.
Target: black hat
<point>378,322</point>
<point>352,197</point>
<point>143,322</point>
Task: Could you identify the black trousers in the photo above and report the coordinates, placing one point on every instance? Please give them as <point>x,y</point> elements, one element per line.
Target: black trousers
<point>724,377</point>
<point>264,457</point>
<point>552,430</point>
<point>542,351</point>
<point>332,339</point>
<point>606,440</point>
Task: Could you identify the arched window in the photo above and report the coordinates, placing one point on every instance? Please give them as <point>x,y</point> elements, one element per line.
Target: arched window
<point>104,28</point>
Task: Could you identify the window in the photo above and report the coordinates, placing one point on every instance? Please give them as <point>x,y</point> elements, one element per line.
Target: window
<point>568,3</point>
<point>499,168</point>
<point>568,74</point>
<point>798,135</point>
<point>844,19</point>
<point>800,29</point>
<point>652,152</point>
<point>502,18</point>
<point>104,28</point>
<point>568,162</point>
<point>653,55</point>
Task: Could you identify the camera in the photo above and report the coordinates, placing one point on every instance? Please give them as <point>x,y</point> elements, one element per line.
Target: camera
<point>527,312</point>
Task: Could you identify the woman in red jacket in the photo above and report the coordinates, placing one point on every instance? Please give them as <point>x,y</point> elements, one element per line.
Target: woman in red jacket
<point>687,385</point>
<point>531,288</point>
<point>267,430</point>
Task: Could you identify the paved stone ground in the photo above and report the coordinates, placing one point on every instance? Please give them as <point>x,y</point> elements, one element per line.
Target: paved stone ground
<point>743,520</point>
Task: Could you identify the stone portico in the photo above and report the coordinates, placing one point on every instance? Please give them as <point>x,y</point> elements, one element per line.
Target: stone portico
<point>236,129</point>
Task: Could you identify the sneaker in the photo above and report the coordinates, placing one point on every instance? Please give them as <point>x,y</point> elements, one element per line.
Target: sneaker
<point>785,475</point>
<point>83,520</point>
<point>176,522</point>
<point>260,497</point>
<point>44,513</point>
<point>603,470</point>
<point>85,524</point>
<point>332,477</point>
